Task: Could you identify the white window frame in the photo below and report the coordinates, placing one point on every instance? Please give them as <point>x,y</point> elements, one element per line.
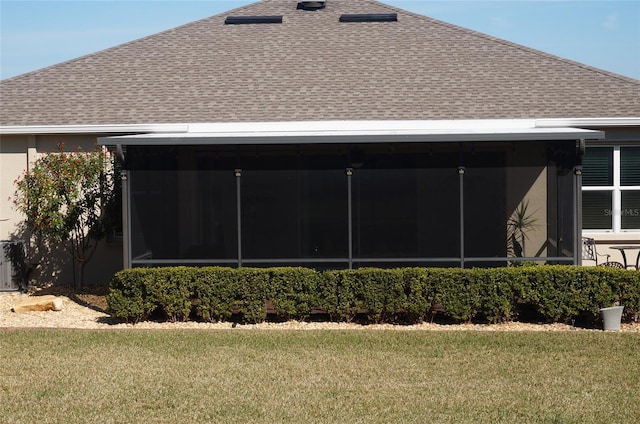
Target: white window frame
<point>616,198</point>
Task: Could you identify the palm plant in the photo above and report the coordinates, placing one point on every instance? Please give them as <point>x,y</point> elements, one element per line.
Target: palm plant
<point>519,224</point>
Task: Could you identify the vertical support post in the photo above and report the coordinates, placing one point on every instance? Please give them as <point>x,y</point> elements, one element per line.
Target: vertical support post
<point>126,220</point>
<point>461,170</point>
<point>238,174</point>
<point>577,215</point>
<point>581,147</point>
<point>349,172</point>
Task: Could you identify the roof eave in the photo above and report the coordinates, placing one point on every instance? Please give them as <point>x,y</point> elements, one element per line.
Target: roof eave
<point>333,131</point>
<point>357,132</point>
<point>92,129</point>
<point>588,122</point>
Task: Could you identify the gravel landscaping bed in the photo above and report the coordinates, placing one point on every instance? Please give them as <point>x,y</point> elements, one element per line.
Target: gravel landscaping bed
<point>87,311</point>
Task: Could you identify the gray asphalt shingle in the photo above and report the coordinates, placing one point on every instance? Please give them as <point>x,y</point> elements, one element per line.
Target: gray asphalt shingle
<point>312,67</point>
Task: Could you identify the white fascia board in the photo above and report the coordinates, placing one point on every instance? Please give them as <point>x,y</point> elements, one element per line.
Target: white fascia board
<point>327,131</point>
<point>357,132</point>
<point>94,129</point>
<point>588,122</point>
<point>349,126</point>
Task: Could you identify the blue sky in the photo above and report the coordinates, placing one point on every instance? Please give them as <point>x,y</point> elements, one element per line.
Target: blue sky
<point>36,34</point>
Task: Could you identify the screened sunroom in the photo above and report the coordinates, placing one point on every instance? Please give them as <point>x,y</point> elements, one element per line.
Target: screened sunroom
<point>348,197</point>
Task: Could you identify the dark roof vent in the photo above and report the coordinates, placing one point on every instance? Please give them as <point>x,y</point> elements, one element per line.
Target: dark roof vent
<point>311,5</point>
<point>369,17</point>
<point>244,20</point>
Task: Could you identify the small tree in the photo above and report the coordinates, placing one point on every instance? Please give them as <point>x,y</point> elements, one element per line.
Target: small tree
<point>64,197</point>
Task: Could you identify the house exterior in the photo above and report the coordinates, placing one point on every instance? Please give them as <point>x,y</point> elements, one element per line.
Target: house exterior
<point>337,134</point>
<point>611,195</point>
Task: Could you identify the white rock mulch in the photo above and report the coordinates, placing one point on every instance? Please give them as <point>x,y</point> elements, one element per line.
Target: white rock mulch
<point>74,315</point>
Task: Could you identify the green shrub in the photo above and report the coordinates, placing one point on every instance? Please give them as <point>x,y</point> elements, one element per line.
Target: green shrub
<point>548,291</point>
<point>452,291</point>
<point>419,294</point>
<point>563,293</point>
<point>327,293</point>
<point>630,294</point>
<point>214,290</point>
<point>498,291</point>
<point>171,289</point>
<point>338,293</point>
<point>556,293</point>
<point>293,292</point>
<point>128,297</point>
<point>251,285</point>
<point>382,292</point>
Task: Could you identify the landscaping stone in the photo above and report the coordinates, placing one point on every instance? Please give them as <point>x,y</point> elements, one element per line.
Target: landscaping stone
<point>38,304</point>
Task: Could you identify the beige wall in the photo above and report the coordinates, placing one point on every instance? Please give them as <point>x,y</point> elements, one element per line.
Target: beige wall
<point>13,162</point>
<point>530,184</point>
<point>16,153</point>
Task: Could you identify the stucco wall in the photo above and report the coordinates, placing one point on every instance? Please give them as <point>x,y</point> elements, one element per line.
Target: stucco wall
<point>13,162</point>
<point>528,185</point>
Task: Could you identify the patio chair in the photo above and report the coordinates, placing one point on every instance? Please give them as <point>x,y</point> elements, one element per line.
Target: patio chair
<point>590,253</point>
<point>613,264</point>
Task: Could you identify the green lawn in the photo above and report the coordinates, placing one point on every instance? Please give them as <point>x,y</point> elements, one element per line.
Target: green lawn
<point>241,376</point>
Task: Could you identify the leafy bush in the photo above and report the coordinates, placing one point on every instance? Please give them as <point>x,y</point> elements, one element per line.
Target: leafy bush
<point>555,293</point>
<point>419,294</point>
<point>339,294</point>
<point>214,291</point>
<point>128,297</point>
<point>251,293</point>
<point>293,292</point>
<point>378,293</point>
<point>171,289</point>
<point>499,290</point>
<point>453,292</point>
<point>64,198</point>
<point>629,290</point>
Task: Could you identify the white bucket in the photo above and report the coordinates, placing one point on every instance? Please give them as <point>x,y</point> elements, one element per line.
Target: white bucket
<point>611,318</point>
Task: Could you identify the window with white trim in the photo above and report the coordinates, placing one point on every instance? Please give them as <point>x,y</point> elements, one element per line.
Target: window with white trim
<point>611,189</point>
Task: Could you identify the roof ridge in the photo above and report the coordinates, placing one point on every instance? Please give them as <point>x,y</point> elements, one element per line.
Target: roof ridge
<point>508,43</point>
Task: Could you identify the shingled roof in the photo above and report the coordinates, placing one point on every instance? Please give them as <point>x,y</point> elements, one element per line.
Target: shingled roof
<point>314,67</point>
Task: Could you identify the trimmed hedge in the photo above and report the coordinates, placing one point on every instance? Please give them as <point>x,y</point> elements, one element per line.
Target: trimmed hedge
<point>550,293</point>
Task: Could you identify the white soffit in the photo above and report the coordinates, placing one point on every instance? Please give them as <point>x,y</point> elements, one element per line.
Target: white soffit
<point>357,132</point>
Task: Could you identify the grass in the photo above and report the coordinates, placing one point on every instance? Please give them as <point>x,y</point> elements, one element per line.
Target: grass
<point>242,376</point>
